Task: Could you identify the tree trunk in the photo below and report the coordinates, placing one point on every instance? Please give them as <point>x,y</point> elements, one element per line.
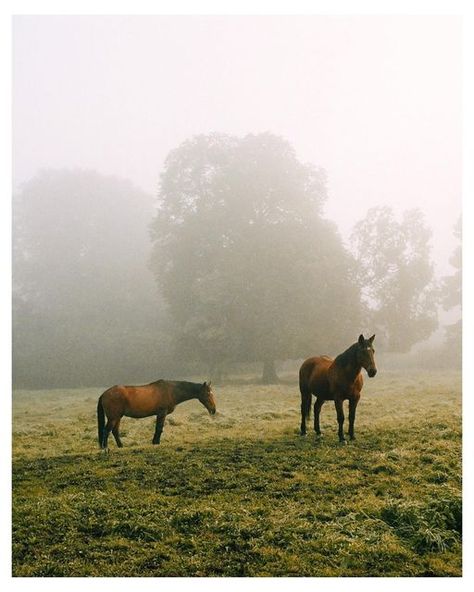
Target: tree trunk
<point>269,375</point>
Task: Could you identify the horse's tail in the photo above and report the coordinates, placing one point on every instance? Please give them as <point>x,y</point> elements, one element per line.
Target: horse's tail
<point>100,420</point>
<point>305,397</point>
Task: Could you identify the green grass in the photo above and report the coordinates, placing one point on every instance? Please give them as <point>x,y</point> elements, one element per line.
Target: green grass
<point>241,494</point>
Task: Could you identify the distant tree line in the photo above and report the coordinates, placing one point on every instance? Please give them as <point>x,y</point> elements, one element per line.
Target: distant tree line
<point>236,264</point>
<point>85,307</point>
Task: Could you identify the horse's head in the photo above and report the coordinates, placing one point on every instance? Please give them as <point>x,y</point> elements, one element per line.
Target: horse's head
<point>206,397</point>
<point>365,355</point>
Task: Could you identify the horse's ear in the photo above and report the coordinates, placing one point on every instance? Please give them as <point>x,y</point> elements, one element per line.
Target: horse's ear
<point>204,384</point>
<point>371,339</point>
<point>361,340</point>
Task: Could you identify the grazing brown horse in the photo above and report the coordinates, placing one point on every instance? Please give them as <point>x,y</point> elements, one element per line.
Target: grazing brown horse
<point>336,380</point>
<point>157,398</point>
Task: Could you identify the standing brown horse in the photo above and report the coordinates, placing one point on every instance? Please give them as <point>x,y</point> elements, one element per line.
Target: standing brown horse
<point>157,398</point>
<point>336,380</point>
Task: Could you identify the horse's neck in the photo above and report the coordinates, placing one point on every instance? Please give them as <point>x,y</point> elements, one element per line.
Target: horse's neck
<point>186,394</point>
<point>352,372</point>
<point>347,361</point>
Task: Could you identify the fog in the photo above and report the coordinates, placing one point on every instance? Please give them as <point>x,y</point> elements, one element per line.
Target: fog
<point>376,101</point>
<point>371,107</point>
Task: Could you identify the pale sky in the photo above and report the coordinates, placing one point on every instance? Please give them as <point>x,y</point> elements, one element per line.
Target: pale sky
<point>376,101</point>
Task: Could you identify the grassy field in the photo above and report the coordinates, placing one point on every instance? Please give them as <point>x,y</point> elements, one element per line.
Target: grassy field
<point>242,494</point>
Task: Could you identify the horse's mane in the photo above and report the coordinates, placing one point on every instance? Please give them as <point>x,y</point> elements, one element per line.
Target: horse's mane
<point>181,384</point>
<point>347,357</point>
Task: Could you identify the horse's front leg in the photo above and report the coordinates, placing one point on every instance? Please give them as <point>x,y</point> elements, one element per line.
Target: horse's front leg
<point>352,413</point>
<point>160,422</point>
<point>340,418</point>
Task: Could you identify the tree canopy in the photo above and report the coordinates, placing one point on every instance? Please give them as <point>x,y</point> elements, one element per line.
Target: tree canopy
<point>250,269</point>
<point>452,299</point>
<point>396,276</point>
<point>452,295</point>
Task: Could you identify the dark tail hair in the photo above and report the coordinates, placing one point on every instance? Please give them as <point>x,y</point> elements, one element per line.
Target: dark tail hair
<point>100,420</point>
<point>305,401</point>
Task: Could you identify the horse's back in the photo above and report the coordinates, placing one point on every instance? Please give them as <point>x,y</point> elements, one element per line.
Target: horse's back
<point>313,375</point>
<point>135,401</point>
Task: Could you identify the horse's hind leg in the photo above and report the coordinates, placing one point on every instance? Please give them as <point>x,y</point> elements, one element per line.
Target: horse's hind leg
<point>317,409</point>
<point>109,427</point>
<point>160,421</point>
<point>115,432</point>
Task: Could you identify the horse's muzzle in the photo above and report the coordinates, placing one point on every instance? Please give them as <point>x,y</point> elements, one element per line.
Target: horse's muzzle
<point>212,411</point>
<point>372,372</point>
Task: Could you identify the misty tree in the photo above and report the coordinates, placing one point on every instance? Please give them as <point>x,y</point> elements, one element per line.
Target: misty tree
<point>84,302</point>
<point>396,277</point>
<point>452,298</point>
<point>248,266</point>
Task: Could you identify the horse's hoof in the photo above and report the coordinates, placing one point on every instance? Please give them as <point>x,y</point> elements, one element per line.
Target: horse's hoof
<point>342,442</point>
<point>302,434</point>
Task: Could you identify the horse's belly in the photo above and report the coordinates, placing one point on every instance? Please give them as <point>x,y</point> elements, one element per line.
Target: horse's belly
<point>321,389</point>
<point>138,414</point>
<point>327,396</point>
<point>141,405</point>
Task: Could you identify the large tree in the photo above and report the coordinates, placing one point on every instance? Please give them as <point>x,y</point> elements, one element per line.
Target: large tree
<point>250,269</point>
<point>396,276</point>
<point>85,304</point>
